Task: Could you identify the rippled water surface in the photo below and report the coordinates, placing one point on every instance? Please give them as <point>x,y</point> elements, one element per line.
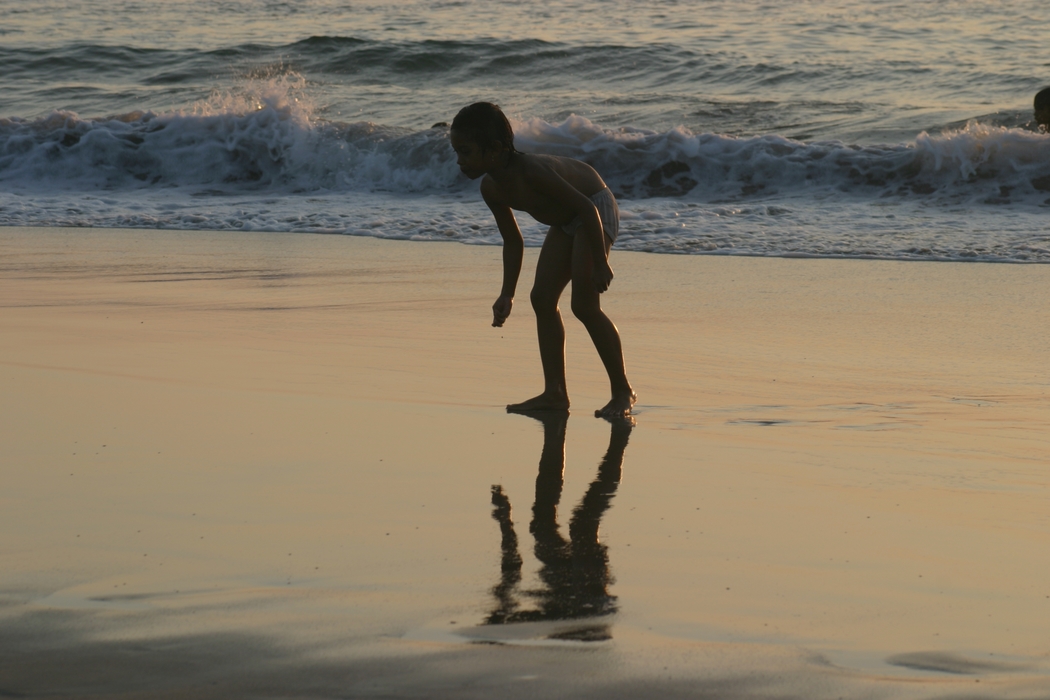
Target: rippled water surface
<point>878,129</point>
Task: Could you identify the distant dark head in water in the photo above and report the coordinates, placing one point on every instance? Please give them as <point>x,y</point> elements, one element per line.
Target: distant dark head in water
<point>1042,108</point>
<point>486,125</point>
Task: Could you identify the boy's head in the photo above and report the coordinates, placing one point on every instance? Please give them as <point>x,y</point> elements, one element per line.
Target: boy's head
<point>486,125</point>
<point>1042,108</point>
<point>480,136</point>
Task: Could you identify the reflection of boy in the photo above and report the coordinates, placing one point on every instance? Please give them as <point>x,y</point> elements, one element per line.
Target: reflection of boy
<point>1042,108</point>
<point>575,572</point>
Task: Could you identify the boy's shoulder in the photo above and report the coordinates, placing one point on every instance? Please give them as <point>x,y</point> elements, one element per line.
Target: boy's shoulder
<point>537,173</point>
<point>490,188</point>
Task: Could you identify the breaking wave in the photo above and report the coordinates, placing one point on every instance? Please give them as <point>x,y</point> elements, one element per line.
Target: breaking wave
<point>266,137</point>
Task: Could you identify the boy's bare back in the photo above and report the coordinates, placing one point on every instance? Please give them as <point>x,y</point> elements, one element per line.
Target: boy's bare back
<point>537,186</point>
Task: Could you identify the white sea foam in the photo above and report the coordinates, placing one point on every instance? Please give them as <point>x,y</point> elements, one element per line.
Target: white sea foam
<point>902,231</point>
<point>258,158</point>
<point>977,163</point>
<point>267,138</point>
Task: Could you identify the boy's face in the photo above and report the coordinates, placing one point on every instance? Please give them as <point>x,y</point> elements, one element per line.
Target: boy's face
<point>473,160</point>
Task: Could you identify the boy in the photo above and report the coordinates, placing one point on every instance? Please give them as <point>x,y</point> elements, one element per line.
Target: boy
<point>570,197</point>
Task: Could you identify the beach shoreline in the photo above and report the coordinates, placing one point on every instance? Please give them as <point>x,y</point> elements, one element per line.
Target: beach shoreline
<point>250,464</point>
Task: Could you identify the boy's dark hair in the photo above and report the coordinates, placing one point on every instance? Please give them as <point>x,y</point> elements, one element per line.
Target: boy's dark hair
<point>483,123</point>
<point>1042,99</point>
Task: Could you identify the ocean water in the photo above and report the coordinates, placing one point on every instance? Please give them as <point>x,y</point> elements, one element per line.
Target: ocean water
<point>847,129</point>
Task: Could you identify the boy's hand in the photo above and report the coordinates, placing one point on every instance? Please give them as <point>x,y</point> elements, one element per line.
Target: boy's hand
<point>500,310</point>
<point>603,276</point>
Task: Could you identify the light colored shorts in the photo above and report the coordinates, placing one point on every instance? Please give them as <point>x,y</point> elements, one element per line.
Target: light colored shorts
<point>605,203</point>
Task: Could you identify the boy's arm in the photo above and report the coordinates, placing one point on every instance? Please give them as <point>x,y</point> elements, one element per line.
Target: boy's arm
<point>513,251</point>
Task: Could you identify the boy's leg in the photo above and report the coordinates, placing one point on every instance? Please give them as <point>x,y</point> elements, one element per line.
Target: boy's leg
<point>553,272</point>
<point>587,306</point>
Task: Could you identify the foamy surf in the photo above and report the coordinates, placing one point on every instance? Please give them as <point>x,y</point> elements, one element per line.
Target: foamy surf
<point>270,140</point>
<point>260,159</point>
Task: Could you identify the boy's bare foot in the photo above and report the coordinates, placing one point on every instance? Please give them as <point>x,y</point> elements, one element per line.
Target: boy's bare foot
<point>618,407</point>
<point>544,402</point>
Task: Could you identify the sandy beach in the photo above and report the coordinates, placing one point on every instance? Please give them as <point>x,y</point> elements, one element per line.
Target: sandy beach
<point>261,465</point>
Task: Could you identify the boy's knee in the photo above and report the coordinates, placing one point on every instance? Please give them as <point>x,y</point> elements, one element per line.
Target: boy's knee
<point>584,309</point>
<point>542,300</point>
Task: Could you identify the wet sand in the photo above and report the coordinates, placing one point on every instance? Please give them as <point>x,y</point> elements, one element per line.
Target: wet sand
<point>262,465</point>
